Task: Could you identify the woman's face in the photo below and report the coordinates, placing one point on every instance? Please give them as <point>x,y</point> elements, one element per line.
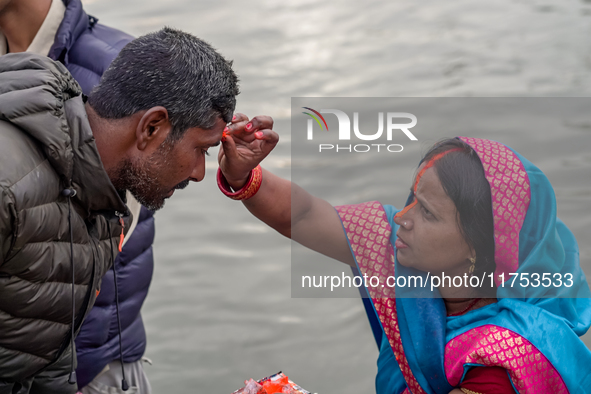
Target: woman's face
<point>429,238</point>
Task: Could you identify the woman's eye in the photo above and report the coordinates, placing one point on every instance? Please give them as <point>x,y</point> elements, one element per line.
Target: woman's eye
<point>205,152</point>
<point>426,211</point>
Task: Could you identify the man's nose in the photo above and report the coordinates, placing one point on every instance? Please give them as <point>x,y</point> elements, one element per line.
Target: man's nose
<point>198,172</point>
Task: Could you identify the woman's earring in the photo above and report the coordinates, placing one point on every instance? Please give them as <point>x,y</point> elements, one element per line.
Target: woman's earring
<point>473,261</point>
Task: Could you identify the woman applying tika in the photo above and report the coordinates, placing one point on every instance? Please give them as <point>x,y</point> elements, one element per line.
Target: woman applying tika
<point>476,208</point>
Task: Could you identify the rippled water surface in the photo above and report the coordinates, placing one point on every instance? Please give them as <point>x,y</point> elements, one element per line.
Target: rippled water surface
<point>220,307</point>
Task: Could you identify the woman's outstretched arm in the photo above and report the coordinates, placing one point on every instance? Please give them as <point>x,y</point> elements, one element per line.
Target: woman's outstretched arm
<point>281,204</point>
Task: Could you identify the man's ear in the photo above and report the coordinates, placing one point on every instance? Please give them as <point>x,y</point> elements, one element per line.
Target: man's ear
<point>152,128</point>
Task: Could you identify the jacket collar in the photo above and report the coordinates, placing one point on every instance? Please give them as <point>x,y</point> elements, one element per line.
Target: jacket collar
<point>94,189</point>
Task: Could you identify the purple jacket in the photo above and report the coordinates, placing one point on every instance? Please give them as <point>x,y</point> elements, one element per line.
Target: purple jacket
<point>84,46</point>
<point>87,48</point>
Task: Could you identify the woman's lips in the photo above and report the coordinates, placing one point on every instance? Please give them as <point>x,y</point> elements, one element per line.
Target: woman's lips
<point>400,244</point>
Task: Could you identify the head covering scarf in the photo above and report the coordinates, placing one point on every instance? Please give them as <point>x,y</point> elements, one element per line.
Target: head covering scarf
<point>532,331</point>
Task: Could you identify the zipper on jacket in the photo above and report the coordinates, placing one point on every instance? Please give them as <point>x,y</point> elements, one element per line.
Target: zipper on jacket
<point>69,193</point>
<point>124,385</point>
<point>122,235</point>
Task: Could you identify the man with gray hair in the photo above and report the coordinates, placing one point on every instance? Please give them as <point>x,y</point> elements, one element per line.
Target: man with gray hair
<point>65,164</point>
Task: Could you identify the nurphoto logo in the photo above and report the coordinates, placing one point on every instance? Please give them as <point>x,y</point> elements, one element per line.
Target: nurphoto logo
<point>393,126</point>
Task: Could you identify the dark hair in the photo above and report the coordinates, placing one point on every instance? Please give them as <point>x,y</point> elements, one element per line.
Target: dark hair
<point>462,176</point>
<point>173,69</point>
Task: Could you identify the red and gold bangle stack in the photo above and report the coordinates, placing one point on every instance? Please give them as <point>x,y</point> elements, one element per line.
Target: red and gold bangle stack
<point>251,187</point>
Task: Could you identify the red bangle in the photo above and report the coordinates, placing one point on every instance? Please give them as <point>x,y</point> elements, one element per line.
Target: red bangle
<point>251,187</point>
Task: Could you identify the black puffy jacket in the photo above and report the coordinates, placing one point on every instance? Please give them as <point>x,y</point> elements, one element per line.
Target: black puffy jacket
<point>87,48</point>
<point>46,146</point>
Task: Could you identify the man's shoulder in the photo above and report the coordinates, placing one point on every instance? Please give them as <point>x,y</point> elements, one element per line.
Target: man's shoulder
<point>85,46</point>
<point>93,52</point>
<point>98,46</point>
<point>104,38</point>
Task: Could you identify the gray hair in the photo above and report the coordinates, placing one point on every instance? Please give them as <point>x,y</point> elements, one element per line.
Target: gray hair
<point>172,69</point>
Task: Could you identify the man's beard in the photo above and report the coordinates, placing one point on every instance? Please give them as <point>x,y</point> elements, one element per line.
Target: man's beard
<point>142,178</point>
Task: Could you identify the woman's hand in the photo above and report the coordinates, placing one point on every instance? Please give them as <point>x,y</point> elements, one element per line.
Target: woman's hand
<point>280,204</point>
<point>244,145</point>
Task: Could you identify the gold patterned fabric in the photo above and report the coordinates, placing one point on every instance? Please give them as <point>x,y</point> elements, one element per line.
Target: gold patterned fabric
<point>469,391</point>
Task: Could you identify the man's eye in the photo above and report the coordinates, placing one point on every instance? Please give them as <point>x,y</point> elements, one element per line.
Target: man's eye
<point>205,152</point>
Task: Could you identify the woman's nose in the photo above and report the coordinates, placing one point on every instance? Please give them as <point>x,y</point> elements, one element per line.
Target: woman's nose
<point>404,221</point>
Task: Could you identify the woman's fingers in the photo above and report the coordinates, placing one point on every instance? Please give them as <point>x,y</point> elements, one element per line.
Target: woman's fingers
<point>236,126</point>
<point>247,140</point>
<point>228,148</point>
<point>245,131</point>
<point>239,117</point>
<point>269,136</point>
<point>260,122</point>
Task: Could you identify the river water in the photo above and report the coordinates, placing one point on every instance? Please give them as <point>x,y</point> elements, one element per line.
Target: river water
<point>220,308</point>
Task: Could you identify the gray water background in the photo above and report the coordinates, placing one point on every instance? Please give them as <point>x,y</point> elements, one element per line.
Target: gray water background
<point>220,308</point>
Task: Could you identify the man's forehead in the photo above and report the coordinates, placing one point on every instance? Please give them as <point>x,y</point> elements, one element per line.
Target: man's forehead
<point>210,136</point>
